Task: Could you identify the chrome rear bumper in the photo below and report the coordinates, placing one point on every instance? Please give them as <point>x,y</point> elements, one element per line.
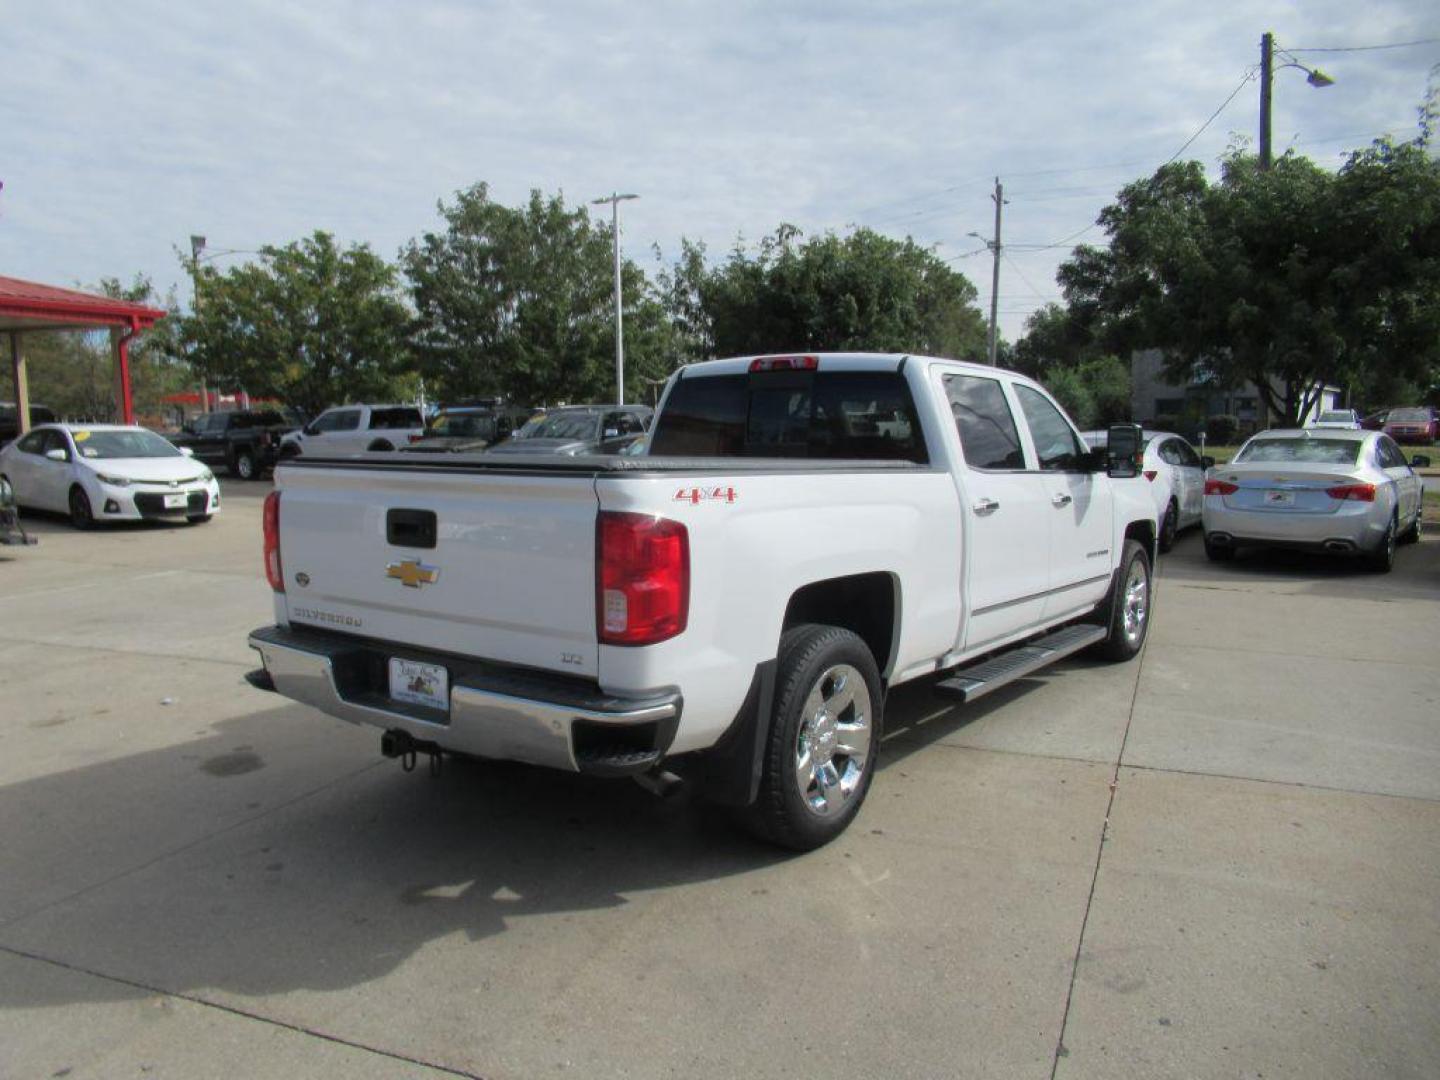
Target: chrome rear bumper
<point>494,713</point>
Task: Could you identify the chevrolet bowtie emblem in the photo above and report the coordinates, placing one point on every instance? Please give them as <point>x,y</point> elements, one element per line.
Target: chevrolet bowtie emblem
<point>412,573</point>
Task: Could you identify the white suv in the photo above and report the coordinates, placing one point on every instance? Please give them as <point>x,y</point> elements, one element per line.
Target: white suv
<point>349,429</point>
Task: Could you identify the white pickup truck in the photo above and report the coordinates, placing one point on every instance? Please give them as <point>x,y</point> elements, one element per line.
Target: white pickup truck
<point>802,534</point>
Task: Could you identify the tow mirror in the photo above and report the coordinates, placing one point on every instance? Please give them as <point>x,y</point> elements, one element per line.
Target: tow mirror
<point>1207,462</point>
<point>1122,449</point>
<point>1420,461</point>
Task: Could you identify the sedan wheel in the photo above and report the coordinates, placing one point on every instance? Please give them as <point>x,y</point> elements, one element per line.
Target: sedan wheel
<point>1169,527</point>
<point>1382,559</point>
<point>81,515</point>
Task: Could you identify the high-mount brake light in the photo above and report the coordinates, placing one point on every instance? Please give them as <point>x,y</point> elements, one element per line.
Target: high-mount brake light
<point>784,363</point>
<point>271,518</point>
<point>642,578</point>
<point>1352,492</point>
<point>1220,487</point>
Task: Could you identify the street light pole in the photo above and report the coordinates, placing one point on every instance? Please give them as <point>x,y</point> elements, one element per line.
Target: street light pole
<point>197,245</point>
<point>1314,76</point>
<point>615,200</point>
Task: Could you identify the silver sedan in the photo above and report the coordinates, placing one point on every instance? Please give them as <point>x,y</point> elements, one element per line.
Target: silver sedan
<point>1345,492</point>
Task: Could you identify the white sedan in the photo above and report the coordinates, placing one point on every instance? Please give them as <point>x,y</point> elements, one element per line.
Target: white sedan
<point>1177,479</point>
<point>106,472</point>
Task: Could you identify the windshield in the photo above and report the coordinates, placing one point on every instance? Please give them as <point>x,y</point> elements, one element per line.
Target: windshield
<point>1410,415</point>
<point>579,425</point>
<point>466,425</point>
<point>122,444</point>
<point>1311,451</point>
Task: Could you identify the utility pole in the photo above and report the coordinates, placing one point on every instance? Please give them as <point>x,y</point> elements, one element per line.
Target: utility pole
<point>615,200</point>
<point>197,245</point>
<point>999,198</point>
<point>1267,72</point>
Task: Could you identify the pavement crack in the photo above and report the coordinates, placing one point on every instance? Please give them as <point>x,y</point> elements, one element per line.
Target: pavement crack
<point>1060,1049</point>
<point>245,1014</point>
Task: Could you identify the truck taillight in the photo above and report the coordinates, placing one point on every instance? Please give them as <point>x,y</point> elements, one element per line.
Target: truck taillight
<point>642,578</point>
<point>1352,492</point>
<point>1220,487</point>
<point>271,518</point>
<point>1150,474</point>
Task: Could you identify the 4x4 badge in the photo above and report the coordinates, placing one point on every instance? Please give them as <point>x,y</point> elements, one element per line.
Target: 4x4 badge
<point>412,573</point>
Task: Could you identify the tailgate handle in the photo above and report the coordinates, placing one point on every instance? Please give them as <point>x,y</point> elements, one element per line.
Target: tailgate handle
<point>410,528</point>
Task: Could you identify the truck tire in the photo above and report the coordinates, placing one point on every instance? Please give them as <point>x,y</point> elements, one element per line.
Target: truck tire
<point>1128,611</point>
<point>244,466</point>
<point>824,738</point>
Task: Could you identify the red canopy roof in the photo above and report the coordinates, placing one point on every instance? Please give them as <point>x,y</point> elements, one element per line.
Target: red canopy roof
<point>28,305</point>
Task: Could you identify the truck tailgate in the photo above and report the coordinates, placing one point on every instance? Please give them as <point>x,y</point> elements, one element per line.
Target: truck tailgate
<point>509,574</point>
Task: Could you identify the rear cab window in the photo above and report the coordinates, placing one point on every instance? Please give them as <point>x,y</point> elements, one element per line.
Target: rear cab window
<point>843,415</point>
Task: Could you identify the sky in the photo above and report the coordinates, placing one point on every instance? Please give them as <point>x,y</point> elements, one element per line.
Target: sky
<point>126,128</point>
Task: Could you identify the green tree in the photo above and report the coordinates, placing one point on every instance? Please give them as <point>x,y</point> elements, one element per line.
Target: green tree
<point>520,302</point>
<point>1288,278</point>
<point>863,291</point>
<point>1052,338</point>
<point>309,323</point>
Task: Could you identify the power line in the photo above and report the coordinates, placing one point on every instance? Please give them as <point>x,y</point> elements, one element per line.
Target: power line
<point>1030,284</point>
<point>1249,76</point>
<point>1371,48</point>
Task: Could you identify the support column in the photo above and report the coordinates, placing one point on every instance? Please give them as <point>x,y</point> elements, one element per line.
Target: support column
<point>22,384</point>
<point>123,400</point>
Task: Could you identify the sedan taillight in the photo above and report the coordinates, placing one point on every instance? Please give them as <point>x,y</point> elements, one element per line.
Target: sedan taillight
<point>1220,487</point>
<point>1352,492</point>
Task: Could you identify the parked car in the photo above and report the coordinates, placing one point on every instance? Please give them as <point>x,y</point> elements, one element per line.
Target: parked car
<point>470,427</point>
<point>1420,425</point>
<point>580,429</point>
<point>245,442</point>
<point>1343,492</point>
<point>108,472</point>
<point>1375,421</point>
<point>807,533</point>
<point>1177,479</point>
<point>351,429</point>
<point>10,419</point>
<point>1338,419</point>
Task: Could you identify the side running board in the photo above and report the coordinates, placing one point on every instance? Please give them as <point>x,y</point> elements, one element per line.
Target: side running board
<point>973,682</point>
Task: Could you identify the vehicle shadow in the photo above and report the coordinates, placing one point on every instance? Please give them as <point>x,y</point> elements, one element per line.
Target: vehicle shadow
<point>337,885</point>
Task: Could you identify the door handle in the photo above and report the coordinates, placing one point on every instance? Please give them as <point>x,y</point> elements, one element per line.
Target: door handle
<point>1060,500</point>
<point>985,506</point>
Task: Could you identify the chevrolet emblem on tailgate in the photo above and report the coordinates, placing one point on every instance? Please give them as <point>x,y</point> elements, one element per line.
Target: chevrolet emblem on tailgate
<point>412,573</point>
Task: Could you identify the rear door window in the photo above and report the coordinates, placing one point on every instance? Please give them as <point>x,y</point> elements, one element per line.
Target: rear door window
<point>988,435</point>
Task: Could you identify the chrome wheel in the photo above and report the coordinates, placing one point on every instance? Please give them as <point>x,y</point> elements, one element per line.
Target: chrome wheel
<point>1136,602</point>
<point>832,746</point>
<point>245,467</point>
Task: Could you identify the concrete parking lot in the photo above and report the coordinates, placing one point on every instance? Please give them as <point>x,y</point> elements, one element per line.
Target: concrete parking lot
<point>1220,860</point>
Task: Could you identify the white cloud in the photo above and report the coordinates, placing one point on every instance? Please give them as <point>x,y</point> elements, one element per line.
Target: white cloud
<point>130,127</point>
